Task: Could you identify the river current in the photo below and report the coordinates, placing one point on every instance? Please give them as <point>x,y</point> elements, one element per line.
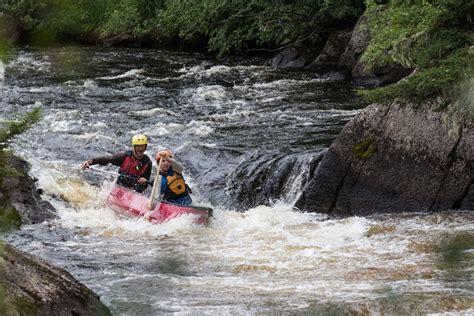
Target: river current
<point>216,115</point>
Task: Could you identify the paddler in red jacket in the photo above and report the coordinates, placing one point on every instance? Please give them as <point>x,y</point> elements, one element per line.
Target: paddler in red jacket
<point>135,166</point>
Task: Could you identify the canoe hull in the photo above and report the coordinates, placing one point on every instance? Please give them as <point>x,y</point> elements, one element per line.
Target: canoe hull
<point>133,204</point>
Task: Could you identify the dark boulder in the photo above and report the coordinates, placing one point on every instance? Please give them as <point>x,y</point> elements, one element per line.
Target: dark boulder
<point>328,61</point>
<point>362,74</point>
<point>340,58</point>
<point>288,58</point>
<point>261,180</point>
<point>31,286</point>
<point>396,159</point>
<point>24,195</point>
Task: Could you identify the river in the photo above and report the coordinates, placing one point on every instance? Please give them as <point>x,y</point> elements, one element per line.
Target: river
<point>218,116</point>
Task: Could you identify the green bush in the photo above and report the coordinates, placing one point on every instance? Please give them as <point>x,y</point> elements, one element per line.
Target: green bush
<point>130,18</point>
<point>433,37</point>
<point>237,26</point>
<point>228,25</point>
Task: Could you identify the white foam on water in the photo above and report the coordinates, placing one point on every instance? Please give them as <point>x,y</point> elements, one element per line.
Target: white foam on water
<point>284,83</point>
<point>25,62</point>
<point>90,84</point>
<point>63,115</point>
<point>97,136</point>
<point>83,206</point>
<point>192,70</point>
<point>99,126</point>
<point>206,95</point>
<point>160,129</point>
<point>291,256</point>
<point>201,70</point>
<point>272,99</point>
<point>208,145</point>
<point>57,179</point>
<point>220,69</point>
<point>261,220</point>
<point>335,113</point>
<point>128,74</point>
<point>63,121</point>
<point>198,128</point>
<point>152,112</point>
<point>102,221</point>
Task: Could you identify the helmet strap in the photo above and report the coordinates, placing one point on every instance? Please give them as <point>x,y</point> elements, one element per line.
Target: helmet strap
<point>134,151</point>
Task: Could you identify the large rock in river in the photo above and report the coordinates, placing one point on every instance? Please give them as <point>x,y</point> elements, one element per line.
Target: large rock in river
<point>23,195</point>
<point>31,286</point>
<point>396,159</point>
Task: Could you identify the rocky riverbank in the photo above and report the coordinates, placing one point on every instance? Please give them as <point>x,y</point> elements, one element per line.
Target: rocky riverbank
<point>28,284</point>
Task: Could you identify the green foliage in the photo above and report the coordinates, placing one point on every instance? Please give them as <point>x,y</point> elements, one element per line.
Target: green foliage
<point>9,130</point>
<point>23,123</point>
<point>3,305</point>
<point>23,11</point>
<point>129,18</point>
<point>239,25</point>
<point>10,219</point>
<point>228,25</point>
<point>50,21</point>
<point>396,30</point>
<point>4,48</point>
<point>448,78</point>
<point>14,303</point>
<point>432,37</point>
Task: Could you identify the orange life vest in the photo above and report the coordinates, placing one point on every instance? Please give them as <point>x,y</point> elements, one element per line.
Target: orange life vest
<point>176,186</point>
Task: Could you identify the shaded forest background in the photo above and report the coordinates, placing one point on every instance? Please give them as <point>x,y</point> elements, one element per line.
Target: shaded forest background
<point>432,37</point>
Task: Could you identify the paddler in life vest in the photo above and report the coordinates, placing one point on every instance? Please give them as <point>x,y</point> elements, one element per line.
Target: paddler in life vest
<point>135,166</point>
<point>173,188</point>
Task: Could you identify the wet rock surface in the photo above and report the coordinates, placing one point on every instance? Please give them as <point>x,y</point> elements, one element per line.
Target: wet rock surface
<point>396,159</point>
<point>28,284</point>
<point>25,196</point>
<point>31,286</point>
<point>260,180</point>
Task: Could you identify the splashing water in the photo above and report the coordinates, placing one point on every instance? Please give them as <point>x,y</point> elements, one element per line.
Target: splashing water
<point>262,260</point>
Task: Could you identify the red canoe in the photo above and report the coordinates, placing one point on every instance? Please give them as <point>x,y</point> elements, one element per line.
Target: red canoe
<point>131,203</point>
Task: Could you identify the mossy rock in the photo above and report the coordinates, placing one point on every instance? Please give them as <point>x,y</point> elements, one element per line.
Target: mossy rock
<point>14,305</point>
<point>364,149</point>
<point>10,219</point>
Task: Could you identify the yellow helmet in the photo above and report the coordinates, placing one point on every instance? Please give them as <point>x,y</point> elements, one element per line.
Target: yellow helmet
<point>139,139</point>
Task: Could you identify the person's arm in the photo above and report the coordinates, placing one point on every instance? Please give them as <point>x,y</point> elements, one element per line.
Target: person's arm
<point>166,153</point>
<point>116,160</point>
<point>178,167</point>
